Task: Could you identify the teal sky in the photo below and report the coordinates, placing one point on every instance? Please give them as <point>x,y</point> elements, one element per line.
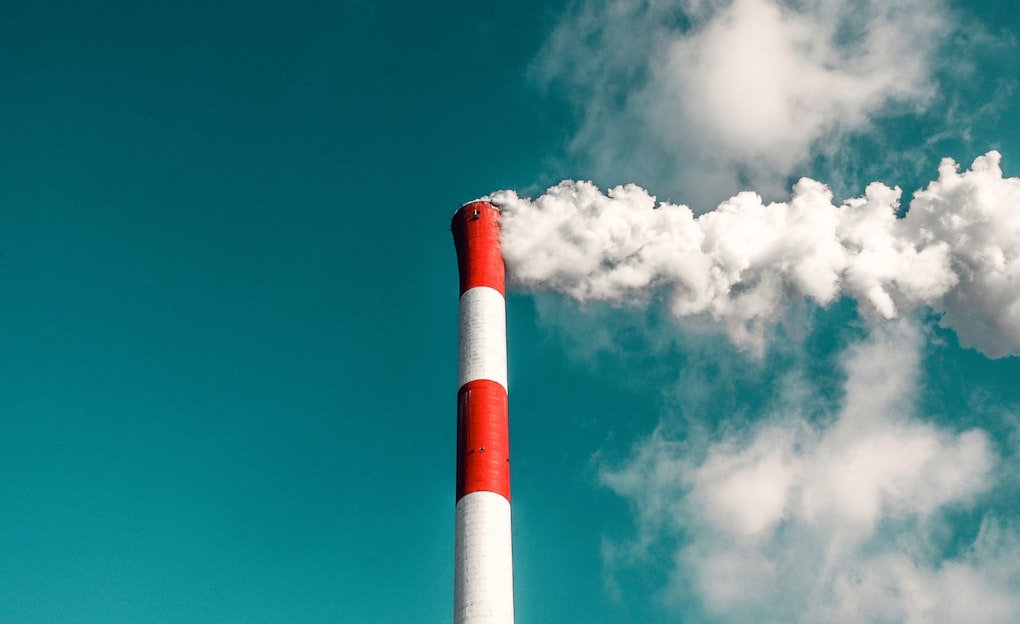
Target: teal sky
<point>228,325</point>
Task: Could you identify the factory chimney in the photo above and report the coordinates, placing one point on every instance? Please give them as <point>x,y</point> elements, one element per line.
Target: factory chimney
<point>483,566</point>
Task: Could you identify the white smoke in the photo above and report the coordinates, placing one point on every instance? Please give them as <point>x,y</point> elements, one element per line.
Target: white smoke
<point>706,96</point>
<point>956,251</point>
<point>796,521</point>
<point>822,510</point>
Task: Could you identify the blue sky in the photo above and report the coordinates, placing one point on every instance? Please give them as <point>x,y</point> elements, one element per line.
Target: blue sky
<point>230,298</point>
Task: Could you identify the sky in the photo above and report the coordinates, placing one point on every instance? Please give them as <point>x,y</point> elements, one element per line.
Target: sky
<point>763,336</point>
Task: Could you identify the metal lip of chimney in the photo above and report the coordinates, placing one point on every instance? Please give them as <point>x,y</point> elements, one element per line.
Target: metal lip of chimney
<point>483,566</point>
<point>488,202</point>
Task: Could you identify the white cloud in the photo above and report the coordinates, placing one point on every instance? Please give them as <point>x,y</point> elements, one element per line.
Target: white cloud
<point>836,521</point>
<point>695,95</point>
<point>957,249</point>
<point>800,517</point>
<point>977,214</point>
<point>748,490</point>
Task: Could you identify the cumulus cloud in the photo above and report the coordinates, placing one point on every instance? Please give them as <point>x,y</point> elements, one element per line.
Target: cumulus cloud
<point>832,520</point>
<point>711,95</point>
<point>956,251</point>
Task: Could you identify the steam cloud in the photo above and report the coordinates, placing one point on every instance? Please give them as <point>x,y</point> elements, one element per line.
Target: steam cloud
<point>956,251</point>
<point>701,97</point>
<point>806,511</point>
<point>834,521</point>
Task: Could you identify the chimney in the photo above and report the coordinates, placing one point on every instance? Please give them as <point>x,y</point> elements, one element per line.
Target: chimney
<point>483,564</point>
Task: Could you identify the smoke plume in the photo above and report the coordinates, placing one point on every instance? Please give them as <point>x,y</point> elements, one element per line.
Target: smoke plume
<point>956,251</point>
<point>701,97</point>
<point>839,520</point>
<point>824,480</point>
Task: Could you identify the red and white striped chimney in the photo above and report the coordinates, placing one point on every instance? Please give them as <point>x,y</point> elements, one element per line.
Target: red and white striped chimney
<point>483,567</point>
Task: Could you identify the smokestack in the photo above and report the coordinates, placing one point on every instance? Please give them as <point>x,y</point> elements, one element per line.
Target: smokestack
<point>483,566</point>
